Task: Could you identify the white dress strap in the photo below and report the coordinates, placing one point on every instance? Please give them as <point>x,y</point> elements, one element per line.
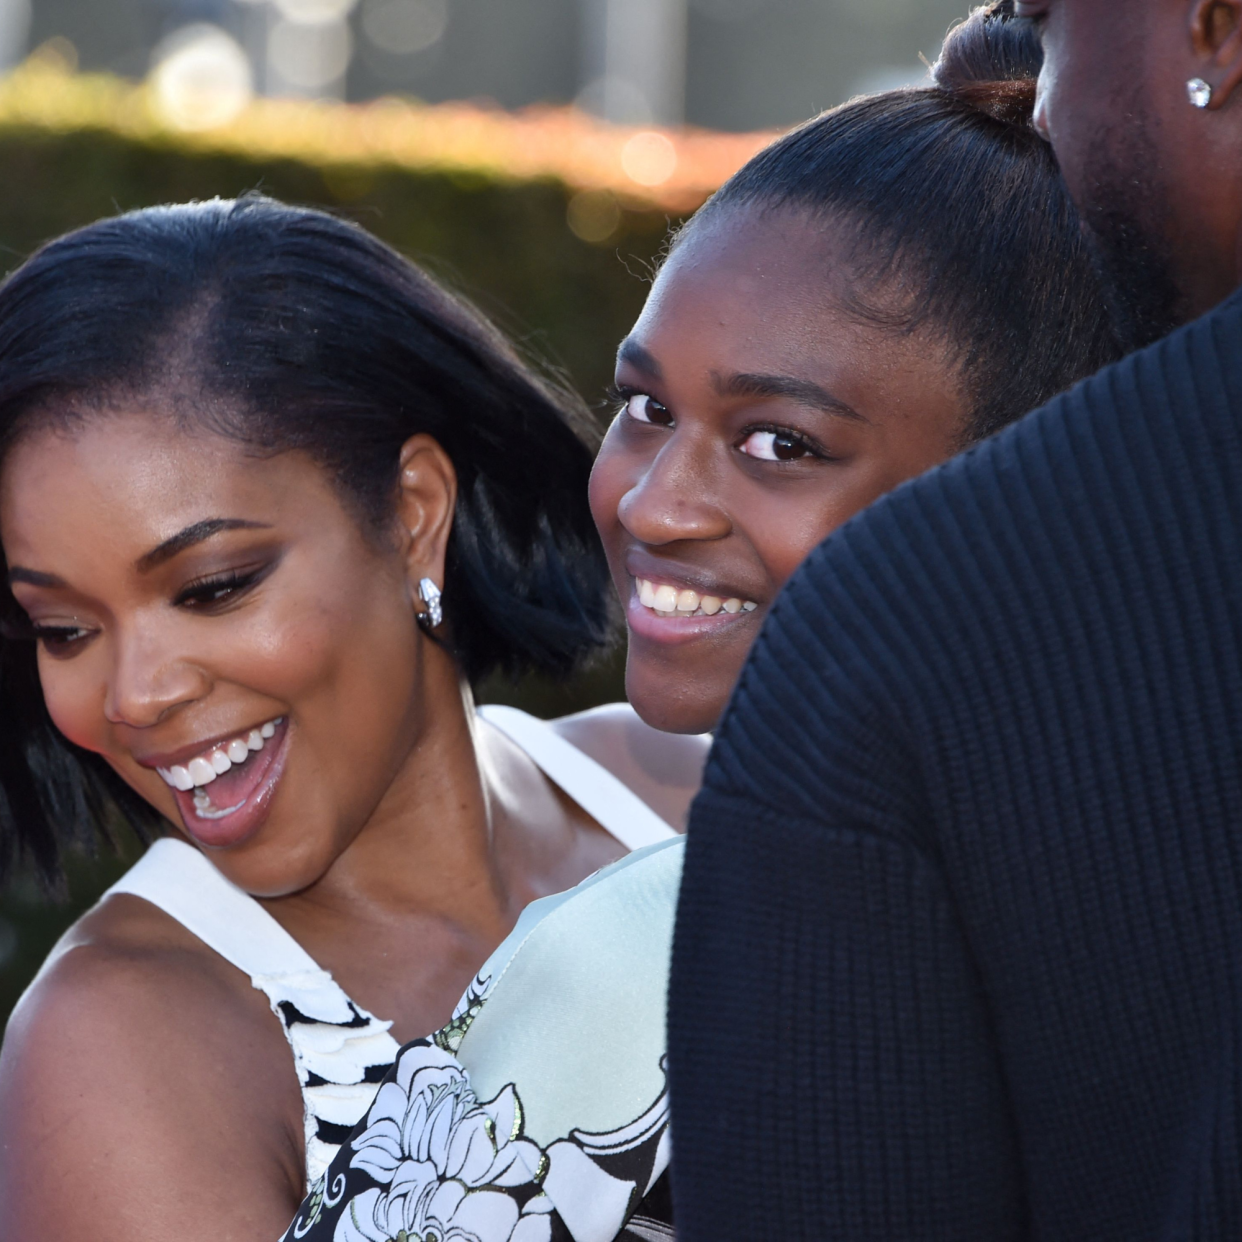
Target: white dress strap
<point>183,882</point>
<point>611,803</point>
<point>341,1052</point>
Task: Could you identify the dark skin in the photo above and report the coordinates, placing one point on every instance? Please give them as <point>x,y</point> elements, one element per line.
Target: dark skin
<point>1108,72</point>
<point>403,838</point>
<point>759,416</point>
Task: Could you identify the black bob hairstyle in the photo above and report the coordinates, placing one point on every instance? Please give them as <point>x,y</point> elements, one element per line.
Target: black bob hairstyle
<point>952,198</point>
<point>286,329</point>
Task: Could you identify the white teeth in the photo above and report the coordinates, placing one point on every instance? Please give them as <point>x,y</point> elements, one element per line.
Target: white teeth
<point>665,599</point>
<point>204,769</point>
<point>201,772</point>
<point>204,808</point>
<point>177,777</point>
<point>669,601</point>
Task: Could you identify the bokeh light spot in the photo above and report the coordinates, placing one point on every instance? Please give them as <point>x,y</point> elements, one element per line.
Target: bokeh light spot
<point>593,215</point>
<point>200,77</point>
<point>649,158</point>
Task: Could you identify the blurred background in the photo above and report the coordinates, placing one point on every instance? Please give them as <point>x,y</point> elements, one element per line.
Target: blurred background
<point>532,153</point>
<point>722,64</point>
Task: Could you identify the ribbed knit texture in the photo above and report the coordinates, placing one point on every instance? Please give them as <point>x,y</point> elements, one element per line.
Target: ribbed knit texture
<point>959,947</point>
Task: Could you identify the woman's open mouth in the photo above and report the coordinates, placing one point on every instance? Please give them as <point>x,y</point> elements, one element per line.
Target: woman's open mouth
<point>223,793</point>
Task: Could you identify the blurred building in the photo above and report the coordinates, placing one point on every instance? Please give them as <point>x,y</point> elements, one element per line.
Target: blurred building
<point>724,64</point>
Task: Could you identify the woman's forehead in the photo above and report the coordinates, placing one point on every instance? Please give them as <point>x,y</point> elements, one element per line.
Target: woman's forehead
<point>134,476</point>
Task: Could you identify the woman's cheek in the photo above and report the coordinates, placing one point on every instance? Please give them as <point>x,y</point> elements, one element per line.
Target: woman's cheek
<point>74,701</point>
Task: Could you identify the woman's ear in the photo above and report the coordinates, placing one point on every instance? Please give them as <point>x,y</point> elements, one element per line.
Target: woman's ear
<point>1216,36</point>
<point>425,507</point>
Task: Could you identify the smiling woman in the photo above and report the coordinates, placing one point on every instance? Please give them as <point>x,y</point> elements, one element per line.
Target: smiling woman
<point>271,501</point>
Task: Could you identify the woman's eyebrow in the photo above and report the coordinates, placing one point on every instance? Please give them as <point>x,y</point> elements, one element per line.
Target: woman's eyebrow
<point>33,577</point>
<point>188,537</point>
<point>807,392</point>
<point>165,551</point>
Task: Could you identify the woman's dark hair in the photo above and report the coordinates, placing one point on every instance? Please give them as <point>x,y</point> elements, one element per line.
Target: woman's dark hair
<point>953,198</point>
<point>288,329</point>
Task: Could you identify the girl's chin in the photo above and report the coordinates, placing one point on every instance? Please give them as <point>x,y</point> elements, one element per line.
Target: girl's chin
<point>664,704</point>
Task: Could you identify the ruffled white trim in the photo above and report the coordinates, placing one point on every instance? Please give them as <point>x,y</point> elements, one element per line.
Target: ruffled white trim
<point>330,1049</point>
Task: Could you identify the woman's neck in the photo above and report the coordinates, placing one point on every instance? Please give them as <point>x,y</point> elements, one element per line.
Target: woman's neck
<point>468,832</point>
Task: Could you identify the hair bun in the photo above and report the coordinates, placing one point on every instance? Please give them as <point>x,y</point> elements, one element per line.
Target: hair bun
<point>992,61</point>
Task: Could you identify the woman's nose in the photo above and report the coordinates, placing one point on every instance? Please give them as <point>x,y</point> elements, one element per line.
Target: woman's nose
<point>150,679</point>
<point>676,497</point>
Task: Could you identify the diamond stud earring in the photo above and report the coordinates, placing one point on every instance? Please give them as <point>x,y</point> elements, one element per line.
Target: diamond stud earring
<point>1199,93</point>
<point>429,593</point>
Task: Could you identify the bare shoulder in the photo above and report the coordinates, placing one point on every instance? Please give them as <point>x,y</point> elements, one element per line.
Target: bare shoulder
<point>149,1066</point>
<point>664,769</point>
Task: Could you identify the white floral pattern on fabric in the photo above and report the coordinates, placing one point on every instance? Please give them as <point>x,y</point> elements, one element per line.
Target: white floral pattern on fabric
<point>441,1158</point>
<point>439,1165</point>
<point>445,1158</point>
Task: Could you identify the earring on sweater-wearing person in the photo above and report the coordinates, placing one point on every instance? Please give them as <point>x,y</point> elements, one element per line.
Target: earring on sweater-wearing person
<point>1199,93</point>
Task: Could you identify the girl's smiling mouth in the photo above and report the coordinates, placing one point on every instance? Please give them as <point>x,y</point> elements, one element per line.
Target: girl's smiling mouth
<point>670,601</point>
<point>672,613</point>
<point>225,790</point>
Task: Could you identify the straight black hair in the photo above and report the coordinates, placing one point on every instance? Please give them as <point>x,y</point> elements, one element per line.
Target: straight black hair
<point>285,329</point>
<point>955,201</point>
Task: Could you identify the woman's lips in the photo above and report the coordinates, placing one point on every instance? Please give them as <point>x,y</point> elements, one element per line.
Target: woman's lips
<point>693,614</point>
<point>232,808</point>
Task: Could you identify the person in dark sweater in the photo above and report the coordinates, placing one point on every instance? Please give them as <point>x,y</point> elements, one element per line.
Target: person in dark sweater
<point>959,941</point>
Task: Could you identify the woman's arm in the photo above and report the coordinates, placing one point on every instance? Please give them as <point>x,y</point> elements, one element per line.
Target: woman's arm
<point>145,1094</point>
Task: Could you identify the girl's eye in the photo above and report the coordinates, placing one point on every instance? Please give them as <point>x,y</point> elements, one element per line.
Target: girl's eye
<point>775,446</point>
<point>645,409</point>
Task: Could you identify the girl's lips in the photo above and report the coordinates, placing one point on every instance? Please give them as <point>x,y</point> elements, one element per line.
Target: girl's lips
<point>644,622</point>
<point>246,796</point>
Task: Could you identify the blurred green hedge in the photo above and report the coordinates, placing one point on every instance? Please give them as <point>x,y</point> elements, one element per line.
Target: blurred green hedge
<point>504,243</point>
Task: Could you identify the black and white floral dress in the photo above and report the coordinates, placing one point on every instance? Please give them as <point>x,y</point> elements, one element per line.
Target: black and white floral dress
<point>347,1062</point>
<point>541,1111</point>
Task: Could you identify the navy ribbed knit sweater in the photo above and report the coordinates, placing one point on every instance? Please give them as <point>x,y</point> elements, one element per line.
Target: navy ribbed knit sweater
<point>958,949</point>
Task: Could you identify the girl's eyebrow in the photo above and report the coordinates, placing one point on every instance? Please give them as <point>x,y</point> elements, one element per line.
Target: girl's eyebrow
<point>630,351</point>
<point>804,391</point>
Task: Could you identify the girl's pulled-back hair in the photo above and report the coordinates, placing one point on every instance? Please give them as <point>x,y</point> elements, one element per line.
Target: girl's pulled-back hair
<point>960,220</point>
<point>287,328</point>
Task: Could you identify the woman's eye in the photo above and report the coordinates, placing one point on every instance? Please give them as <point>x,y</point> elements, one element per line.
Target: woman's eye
<point>645,409</point>
<point>60,639</point>
<point>212,592</point>
<point>775,446</point>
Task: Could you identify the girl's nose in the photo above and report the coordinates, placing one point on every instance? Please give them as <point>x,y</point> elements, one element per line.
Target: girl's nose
<point>677,497</point>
